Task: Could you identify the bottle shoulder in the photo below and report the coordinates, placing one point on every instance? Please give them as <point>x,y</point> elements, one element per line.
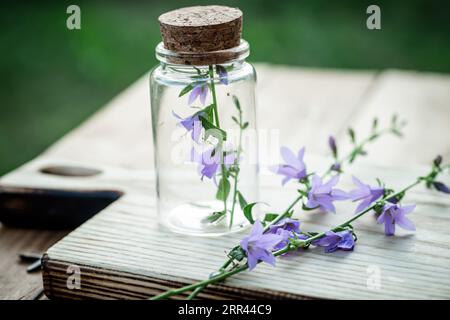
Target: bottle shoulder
<point>185,74</point>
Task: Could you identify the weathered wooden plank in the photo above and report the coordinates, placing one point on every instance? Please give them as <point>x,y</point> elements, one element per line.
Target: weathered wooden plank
<point>423,100</point>
<point>310,104</point>
<point>126,238</point>
<point>15,282</point>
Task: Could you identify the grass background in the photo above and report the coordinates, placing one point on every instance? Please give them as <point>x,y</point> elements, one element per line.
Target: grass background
<point>52,78</point>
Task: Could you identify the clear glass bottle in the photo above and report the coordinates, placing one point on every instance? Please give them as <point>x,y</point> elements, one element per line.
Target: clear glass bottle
<point>205,139</point>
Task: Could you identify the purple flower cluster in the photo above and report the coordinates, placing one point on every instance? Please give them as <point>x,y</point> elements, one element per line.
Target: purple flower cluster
<point>392,214</point>
<point>364,193</point>
<point>210,161</point>
<point>323,194</point>
<point>191,124</point>
<point>332,241</point>
<point>259,245</point>
<point>288,229</point>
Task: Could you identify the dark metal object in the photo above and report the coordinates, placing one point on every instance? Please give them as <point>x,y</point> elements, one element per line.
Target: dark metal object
<point>37,295</point>
<point>51,209</point>
<point>35,260</point>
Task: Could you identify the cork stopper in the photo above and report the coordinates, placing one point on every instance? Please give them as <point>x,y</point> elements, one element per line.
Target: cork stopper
<point>201,29</point>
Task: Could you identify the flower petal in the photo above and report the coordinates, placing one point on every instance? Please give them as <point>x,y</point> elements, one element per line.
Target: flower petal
<point>268,241</point>
<point>203,93</point>
<point>301,154</point>
<point>252,261</point>
<point>289,157</point>
<point>257,228</point>
<point>408,208</point>
<point>194,94</point>
<point>389,225</point>
<point>405,223</point>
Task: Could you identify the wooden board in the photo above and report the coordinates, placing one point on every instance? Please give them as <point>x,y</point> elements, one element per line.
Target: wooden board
<point>123,253</point>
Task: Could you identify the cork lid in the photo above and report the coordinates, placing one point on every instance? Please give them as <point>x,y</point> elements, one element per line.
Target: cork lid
<point>201,29</point>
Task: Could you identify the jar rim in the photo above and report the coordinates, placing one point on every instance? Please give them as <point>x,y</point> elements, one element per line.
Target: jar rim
<point>239,52</point>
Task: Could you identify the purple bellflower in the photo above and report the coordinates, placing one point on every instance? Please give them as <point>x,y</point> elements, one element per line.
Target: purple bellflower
<point>364,193</point>
<point>332,145</point>
<point>223,74</point>
<point>294,168</point>
<point>200,91</point>
<point>322,194</point>
<point>209,162</point>
<point>439,186</point>
<point>259,246</point>
<point>288,229</point>
<point>393,214</point>
<point>332,241</point>
<point>191,124</point>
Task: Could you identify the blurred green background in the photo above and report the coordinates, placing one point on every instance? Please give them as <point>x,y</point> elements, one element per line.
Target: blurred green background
<point>52,78</point>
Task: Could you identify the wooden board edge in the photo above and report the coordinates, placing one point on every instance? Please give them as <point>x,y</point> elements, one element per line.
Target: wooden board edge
<point>103,283</point>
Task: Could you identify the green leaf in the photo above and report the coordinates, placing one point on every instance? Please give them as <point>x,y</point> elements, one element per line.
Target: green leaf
<point>245,125</point>
<point>223,190</point>
<point>351,133</point>
<point>397,132</point>
<point>212,130</point>
<point>248,212</point>
<point>242,202</point>
<point>215,216</point>
<point>186,89</point>
<point>394,119</point>
<point>206,112</point>
<point>236,120</point>
<point>199,72</point>
<point>289,214</point>
<point>237,103</point>
<point>375,124</point>
<point>269,217</point>
<point>353,156</point>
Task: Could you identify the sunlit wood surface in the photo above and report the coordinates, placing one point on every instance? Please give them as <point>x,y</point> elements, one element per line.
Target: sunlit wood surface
<point>123,253</point>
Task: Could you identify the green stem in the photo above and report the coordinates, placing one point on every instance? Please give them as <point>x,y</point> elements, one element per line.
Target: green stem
<point>286,212</point>
<point>230,260</point>
<point>360,146</point>
<point>359,215</point>
<point>197,287</point>
<point>236,175</point>
<point>218,278</point>
<point>216,119</point>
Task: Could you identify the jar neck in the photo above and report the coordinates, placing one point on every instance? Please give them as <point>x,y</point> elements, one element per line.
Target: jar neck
<point>233,56</point>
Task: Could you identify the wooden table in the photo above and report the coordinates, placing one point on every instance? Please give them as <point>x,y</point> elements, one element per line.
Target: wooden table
<point>311,104</point>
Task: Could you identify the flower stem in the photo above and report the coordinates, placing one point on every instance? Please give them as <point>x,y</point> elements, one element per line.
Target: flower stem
<point>238,154</point>
<point>198,286</point>
<point>358,215</point>
<point>370,138</point>
<point>218,278</point>
<point>216,119</point>
<point>360,146</point>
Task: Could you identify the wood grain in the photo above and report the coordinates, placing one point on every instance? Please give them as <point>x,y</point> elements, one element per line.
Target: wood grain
<point>123,253</point>
<point>15,282</point>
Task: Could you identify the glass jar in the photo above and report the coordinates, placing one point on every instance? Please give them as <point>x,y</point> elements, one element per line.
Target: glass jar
<point>205,139</point>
